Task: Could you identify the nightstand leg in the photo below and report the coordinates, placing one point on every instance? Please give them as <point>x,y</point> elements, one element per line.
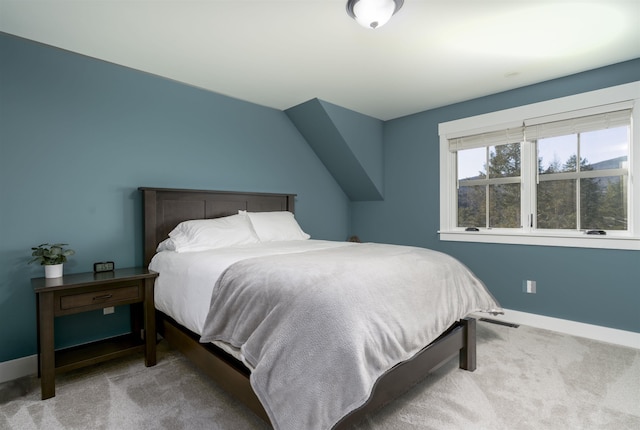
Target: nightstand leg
<point>149,324</point>
<point>47,359</point>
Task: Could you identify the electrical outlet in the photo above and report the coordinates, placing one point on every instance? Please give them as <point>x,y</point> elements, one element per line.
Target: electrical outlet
<point>529,287</point>
<point>109,310</point>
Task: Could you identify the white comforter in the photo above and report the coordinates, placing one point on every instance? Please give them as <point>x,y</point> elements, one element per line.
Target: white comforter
<point>319,327</point>
<point>183,289</point>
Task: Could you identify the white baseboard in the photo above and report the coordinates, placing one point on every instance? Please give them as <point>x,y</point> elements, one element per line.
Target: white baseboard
<point>604,334</point>
<point>14,369</point>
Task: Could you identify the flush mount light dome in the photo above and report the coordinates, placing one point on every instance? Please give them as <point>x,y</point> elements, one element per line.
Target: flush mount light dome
<point>373,13</point>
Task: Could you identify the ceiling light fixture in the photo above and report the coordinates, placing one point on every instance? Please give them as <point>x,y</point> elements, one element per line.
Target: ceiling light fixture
<point>373,13</point>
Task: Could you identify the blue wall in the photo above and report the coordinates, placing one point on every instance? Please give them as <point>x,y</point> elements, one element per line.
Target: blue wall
<point>79,136</point>
<point>588,285</point>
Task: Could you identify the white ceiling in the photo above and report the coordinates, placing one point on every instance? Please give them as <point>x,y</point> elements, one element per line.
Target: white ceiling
<point>280,53</point>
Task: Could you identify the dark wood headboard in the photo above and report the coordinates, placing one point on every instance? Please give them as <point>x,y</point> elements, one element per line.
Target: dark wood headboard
<point>165,208</point>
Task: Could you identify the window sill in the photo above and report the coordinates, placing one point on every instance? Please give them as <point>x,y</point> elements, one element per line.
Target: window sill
<point>577,240</point>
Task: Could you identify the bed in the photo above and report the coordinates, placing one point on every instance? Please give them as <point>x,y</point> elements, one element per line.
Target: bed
<point>164,209</point>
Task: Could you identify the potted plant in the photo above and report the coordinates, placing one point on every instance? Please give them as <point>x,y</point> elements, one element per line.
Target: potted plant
<point>51,257</point>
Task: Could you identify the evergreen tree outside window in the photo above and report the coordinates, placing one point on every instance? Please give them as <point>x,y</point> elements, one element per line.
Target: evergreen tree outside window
<point>493,199</point>
<point>590,198</point>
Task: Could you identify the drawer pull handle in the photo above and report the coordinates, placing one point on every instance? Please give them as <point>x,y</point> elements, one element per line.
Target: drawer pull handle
<point>103,297</point>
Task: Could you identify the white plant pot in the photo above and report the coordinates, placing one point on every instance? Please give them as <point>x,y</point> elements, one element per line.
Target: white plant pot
<point>53,270</point>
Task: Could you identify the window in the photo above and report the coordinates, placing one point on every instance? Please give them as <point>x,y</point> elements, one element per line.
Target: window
<point>590,194</point>
<point>489,186</point>
<point>555,173</point>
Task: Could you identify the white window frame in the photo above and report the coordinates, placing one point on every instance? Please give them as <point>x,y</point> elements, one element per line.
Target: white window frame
<point>514,118</point>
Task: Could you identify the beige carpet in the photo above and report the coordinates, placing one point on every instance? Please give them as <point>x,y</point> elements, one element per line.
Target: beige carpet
<point>526,379</point>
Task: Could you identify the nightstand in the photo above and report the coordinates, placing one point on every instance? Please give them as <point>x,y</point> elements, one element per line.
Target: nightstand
<point>81,292</point>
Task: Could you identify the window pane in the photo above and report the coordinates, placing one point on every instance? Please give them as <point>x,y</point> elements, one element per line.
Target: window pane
<point>504,206</point>
<point>472,206</point>
<point>472,163</point>
<point>557,204</point>
<point>605,149</point>
<point>603,203</point>
<point>557,154</point>
<point>504,160</point>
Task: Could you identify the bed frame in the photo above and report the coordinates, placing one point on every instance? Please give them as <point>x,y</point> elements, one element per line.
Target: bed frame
<point>165,208</point>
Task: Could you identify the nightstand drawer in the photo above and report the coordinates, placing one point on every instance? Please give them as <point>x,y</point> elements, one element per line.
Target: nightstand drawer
<point>99,299</point>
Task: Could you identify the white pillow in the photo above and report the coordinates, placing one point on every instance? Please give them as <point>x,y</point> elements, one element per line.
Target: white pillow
<point>166,245</point>
<point>275,226</point>
<point>205,234</point>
